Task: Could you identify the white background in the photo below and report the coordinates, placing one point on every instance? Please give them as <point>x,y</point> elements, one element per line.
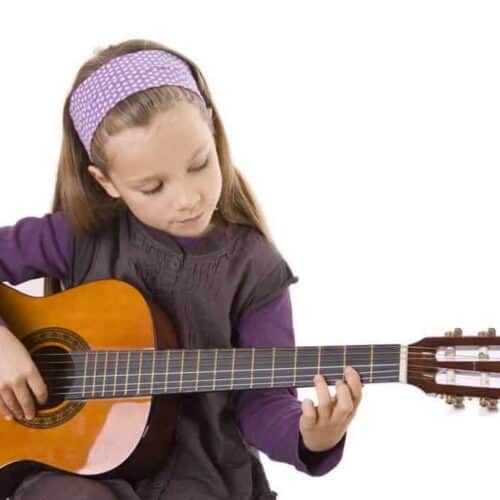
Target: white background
<point>369,131</point>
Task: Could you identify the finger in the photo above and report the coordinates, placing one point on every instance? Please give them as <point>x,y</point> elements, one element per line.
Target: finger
<point>38,386</point>
<point>309,415</point>
<point>324,397</point>
<point>11,402</point>
<point>353,381</point>
<point>345,405</point>
<point>25,399</point>
<point>5,411</point>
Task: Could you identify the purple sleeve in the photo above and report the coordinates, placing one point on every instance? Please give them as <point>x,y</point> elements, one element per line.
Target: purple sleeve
<point>35,247</point>
<point>269,418</point>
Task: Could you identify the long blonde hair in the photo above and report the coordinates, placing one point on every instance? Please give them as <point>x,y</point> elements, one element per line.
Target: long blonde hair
<point>86,205</point>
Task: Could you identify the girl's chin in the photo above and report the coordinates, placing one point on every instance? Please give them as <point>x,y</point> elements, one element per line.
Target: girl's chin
<point>197,228</point>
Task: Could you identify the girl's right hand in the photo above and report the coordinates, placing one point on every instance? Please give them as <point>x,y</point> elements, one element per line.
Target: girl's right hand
<point>18,374</point>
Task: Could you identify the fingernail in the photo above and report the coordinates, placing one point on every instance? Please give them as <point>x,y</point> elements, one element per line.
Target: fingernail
<point>317,378</point>
<point>8,417</point>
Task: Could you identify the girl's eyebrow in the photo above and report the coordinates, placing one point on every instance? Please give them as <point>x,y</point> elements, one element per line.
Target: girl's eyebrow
<point>150,177</point>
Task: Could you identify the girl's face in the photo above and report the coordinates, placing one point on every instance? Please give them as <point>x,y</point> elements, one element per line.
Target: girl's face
<point>166,172</point>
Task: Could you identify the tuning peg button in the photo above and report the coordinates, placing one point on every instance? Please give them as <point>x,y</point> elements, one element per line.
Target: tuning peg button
<point>491,332</point>
<point>457,332</point>
<point>490,403</point>
<point>456,401</point>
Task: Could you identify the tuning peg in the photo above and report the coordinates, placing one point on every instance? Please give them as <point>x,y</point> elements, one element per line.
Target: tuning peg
<point>456,401</point>
<point>457,332</point>
<point>490,403</point>
<point>491,332</point>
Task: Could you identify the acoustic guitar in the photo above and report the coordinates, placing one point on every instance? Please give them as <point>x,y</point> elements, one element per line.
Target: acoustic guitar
<point>114,370</point>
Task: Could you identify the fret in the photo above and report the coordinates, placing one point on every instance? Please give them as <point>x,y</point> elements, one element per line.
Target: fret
<point>252,367</point>
<point>232,369</point>
<point>344,362</point>
<point>116,371</point>
<point>303,365</point>
<point>105,371</point>
<point>190,372</point>
<point>241,373</point>
<point>215,368</point>
<point>152,373</point>
<point>95,371</point>
<point>85,374</point>
<point>132,374</point>
<point>272,368</point>
<point>175,375</point>
<point>224,368</point>
<point>206,366</point>
<point>371,363</point>
<point>139,373</point>
<point>387,365</point>
<point>319,360</point>
<point>166,372</point>
<point>295,367</point>
<point>197,370</point>
<point>126,373</point>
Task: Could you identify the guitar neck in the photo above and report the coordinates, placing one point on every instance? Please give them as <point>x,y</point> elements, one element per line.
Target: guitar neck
<point>131,373</point>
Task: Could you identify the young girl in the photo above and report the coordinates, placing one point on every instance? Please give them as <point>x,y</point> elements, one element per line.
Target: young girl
<point>147,193</point>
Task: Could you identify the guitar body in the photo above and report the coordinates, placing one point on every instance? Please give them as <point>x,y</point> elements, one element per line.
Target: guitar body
<point>107,437</point>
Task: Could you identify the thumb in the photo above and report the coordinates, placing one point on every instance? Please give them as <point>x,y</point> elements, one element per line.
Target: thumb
<point>309,415</point>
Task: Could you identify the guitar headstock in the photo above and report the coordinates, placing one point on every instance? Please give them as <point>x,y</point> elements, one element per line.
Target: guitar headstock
<point>457,366</point>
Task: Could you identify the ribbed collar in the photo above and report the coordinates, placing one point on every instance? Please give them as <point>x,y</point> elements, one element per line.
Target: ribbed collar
<point>215,241</point>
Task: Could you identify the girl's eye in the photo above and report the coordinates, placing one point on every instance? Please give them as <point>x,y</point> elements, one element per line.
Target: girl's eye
<point>155,190</point>
<point>158,188</point>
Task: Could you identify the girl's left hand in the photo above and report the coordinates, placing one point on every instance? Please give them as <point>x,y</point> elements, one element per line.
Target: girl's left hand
<point>322,427</point>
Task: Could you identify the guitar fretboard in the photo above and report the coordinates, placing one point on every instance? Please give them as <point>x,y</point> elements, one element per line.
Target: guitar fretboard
<point>129,373</point>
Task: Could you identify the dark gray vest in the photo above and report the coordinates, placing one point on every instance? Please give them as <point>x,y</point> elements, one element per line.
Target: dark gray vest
<point>204,289</point>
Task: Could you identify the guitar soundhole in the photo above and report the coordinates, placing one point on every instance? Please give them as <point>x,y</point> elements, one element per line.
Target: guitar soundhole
<point>56,367</point>
<point>51,350</point>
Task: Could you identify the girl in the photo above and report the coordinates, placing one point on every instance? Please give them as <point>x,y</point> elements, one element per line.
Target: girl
<point>147,193</point>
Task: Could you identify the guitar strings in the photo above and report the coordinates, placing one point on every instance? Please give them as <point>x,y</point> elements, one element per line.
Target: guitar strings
<point>302,350</point>
<point>210,369</point>
<point>260,361</point>
<point>222,354</point>
<point>185,373</point>
<point>135,360</point>
<point>203,384</point>
<point>368,373</point>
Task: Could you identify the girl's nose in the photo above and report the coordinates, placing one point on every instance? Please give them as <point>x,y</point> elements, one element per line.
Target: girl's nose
<point>187,202</point>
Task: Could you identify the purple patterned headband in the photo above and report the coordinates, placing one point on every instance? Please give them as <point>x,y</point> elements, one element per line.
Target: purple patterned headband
<point>117,79</point>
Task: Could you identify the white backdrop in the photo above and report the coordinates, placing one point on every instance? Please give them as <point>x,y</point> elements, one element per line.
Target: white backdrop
<point>369,131</point>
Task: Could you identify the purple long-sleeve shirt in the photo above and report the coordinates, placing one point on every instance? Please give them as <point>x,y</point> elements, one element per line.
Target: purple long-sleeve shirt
<point>36,247</point>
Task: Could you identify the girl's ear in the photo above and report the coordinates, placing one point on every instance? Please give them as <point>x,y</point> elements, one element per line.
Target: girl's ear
<point>104,181</point>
